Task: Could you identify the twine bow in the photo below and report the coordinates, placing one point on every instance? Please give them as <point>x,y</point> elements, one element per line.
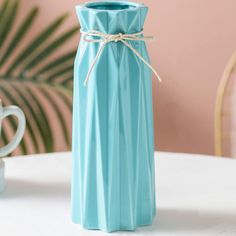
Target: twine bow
<point>104,38</point>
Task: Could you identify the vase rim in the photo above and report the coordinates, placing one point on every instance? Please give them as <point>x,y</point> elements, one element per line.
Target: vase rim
<point>124,6</point>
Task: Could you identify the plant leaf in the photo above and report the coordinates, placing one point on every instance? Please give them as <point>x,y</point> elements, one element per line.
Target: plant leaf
<point>68,84</point>
<point>60,73</point>
<point>12,121</point>
<point>4,138</point>
<point>7,21</point>
<point>59,114</point>
<point>65,94</point>
<point>49,49</point>
<point>22,30</point>
<point>37,113</point>
<point>43,82</point>
<point>13,124</point>
<point>3,10</point>
<point>57,62</point>
<point>36,43</point>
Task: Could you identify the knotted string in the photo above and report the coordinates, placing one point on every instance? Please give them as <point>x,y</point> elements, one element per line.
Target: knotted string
<point>104,38</point>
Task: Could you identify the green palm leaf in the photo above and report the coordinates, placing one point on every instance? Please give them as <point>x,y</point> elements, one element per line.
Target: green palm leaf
<point>19,101</point>
<point>39,85</point>
<point>3,10</point>
<point>63,121</point>
<point>36,43</point>
<point>19,34</point>
<point>49,49</point>
<point>13,125</point>
<point>68,57</point>
<point>7,21</point>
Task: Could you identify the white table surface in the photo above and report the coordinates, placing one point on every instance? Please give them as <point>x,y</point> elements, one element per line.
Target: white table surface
<point>196,195</point>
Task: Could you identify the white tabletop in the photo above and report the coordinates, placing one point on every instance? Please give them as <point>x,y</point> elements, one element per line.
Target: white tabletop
<point>196,195</point>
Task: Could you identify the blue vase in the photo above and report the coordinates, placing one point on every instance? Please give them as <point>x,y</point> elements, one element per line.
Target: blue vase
<point>113,186</point>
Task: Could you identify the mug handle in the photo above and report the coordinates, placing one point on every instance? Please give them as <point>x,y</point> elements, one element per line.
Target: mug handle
<point>15,111</point>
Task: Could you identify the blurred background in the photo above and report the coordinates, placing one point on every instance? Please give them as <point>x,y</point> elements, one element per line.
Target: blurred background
<point>193,52</point>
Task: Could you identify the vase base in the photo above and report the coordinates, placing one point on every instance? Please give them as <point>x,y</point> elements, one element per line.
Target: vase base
<point>115,228</point>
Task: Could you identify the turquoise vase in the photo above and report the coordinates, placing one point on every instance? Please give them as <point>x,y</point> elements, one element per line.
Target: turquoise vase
<point>113,185</point>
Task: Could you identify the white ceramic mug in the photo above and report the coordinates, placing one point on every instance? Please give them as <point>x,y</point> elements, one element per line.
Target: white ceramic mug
<point>4,112</point>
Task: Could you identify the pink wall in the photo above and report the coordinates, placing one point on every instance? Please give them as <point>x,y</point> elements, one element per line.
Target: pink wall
<point>194,40</point>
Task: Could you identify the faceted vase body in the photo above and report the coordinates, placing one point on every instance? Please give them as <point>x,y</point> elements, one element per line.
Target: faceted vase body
<point>113,186</point>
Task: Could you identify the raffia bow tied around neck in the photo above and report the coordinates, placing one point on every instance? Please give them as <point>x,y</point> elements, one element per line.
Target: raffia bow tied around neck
<point>107,38</point>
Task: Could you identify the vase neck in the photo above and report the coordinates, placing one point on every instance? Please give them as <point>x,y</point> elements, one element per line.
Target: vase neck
<point>112,17</point>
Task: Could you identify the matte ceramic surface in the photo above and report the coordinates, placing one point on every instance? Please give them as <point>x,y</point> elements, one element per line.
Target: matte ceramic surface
<point>12,111</point>
<point>5,150</point>
<point>2,179</point>
<point>113,186</point>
